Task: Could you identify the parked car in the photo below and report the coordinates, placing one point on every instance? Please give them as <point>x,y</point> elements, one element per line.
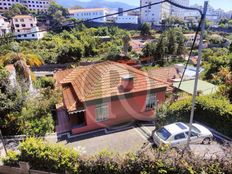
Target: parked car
<point>176,135</point>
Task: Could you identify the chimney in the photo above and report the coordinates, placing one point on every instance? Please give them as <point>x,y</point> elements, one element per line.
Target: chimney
<point>127,82</point>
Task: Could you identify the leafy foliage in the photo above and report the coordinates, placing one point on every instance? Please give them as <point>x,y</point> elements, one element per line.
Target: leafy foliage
<point>16,9</point>
<point>218,69</point>
<point>55,158</point>
<point>145,29</point>
<point>213,111</point>
<point>11,100</point>
<point>170,42</point>
<point>45,82</point>
<point>57,15</point>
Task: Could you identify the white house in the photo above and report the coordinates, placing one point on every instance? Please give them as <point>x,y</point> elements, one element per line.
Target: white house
<point>89,13</point>
<point>33,5</point>
<point>190,38</point>
<point>126,19</point>
<point>25,28</point>
<point>156,13</point>
<point>4,26</point>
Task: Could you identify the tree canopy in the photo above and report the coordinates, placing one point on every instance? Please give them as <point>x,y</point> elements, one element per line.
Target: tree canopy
<point>16,9</point>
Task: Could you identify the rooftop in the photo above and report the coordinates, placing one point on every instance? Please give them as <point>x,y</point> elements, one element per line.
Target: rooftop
<point>71,11</point>
<point>204,87</point>
<point>166,74</point>
<point>22,16</point>
<point>100,81</point>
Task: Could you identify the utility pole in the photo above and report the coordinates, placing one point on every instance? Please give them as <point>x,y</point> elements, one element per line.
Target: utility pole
<point>197,72</point>
<point>3,142</point>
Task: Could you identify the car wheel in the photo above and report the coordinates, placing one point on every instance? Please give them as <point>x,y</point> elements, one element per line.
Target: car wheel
<point>206,141</point>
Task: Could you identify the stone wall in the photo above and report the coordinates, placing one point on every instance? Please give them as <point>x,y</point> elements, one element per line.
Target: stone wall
<point>23,169</point>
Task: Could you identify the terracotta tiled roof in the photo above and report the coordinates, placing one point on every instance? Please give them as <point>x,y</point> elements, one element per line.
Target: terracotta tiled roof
<point>166,74</point>
<point>22,16</point>
<point>136,45</point>
<point>99,81</point>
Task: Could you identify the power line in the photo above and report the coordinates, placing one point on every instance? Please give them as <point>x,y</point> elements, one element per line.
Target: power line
<point>109,15</point>
<point>190,54</point>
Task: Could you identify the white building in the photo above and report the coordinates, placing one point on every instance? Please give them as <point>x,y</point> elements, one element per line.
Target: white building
<point>156,13</point>
<point>25,28</point>
<point>126,19</point>
<point>33,5</point>
<point>5,26</point>
<point>90,13</point>
<point>178,12</point>
<point>190,38</point>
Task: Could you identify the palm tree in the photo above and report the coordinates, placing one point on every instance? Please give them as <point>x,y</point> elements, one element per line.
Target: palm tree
<point>21,60</point>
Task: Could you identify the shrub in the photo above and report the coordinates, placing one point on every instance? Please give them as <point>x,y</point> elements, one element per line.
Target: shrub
<point>211,111</point>
<point>48,157</point>
<point>12,159</point>
<point>45,82</point>
<point>55,158</point>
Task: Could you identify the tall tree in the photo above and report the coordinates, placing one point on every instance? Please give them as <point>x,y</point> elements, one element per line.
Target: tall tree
<point>171,37</point>
<point>145,29</point>
<point>161,48</point>
<point>21,60</point>
<point>16,9</point>
<point>126,39</point>
<point>57,15</point>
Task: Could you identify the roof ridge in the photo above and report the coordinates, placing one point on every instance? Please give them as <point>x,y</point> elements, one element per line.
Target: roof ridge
<point>98,78</point>
<point>142,73</point>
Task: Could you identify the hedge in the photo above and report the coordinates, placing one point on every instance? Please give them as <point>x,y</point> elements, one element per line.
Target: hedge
<point>53,158</point>
<point>210,110</point>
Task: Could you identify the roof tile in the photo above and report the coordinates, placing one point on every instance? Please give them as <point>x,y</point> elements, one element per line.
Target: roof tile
<point>101,80</point>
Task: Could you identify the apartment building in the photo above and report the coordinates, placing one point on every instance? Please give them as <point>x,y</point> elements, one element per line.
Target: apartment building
<point>5,26</point>
<point>33,5</point>
<point>90,13</point>
<point>126,19</point>
<point>179,12</point>
<point>25,28</point>
<point>156,13</point>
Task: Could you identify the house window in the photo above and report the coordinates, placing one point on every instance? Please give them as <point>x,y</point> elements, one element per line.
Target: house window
<point>102,112</point>
<point>151,102</point>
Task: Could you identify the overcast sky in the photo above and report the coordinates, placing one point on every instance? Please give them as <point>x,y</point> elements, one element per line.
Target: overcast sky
<point>224,4</point>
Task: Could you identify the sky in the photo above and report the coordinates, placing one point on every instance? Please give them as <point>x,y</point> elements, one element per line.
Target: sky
<point>223,4</point>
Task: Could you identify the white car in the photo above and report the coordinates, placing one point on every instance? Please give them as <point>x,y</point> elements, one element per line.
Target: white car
<point>176,135</point>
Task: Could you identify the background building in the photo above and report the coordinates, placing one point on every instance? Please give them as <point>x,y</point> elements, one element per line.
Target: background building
<point>156,13</point>
<point>124,18</point>
<point>5,26</point>
<point>25,28</point>
<point>33,5</point>
<point>90,13</point>
<point>178,12</point>
<point>127,19</point>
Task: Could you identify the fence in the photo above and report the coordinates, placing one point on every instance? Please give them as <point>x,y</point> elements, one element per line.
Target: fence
<point>23,169</point>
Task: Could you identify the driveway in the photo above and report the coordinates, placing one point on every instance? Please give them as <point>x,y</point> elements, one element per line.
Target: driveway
<point>129,139</point>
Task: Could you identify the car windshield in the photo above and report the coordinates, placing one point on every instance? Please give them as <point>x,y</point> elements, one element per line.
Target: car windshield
<point>194,129</point>
<point>163,133</point>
